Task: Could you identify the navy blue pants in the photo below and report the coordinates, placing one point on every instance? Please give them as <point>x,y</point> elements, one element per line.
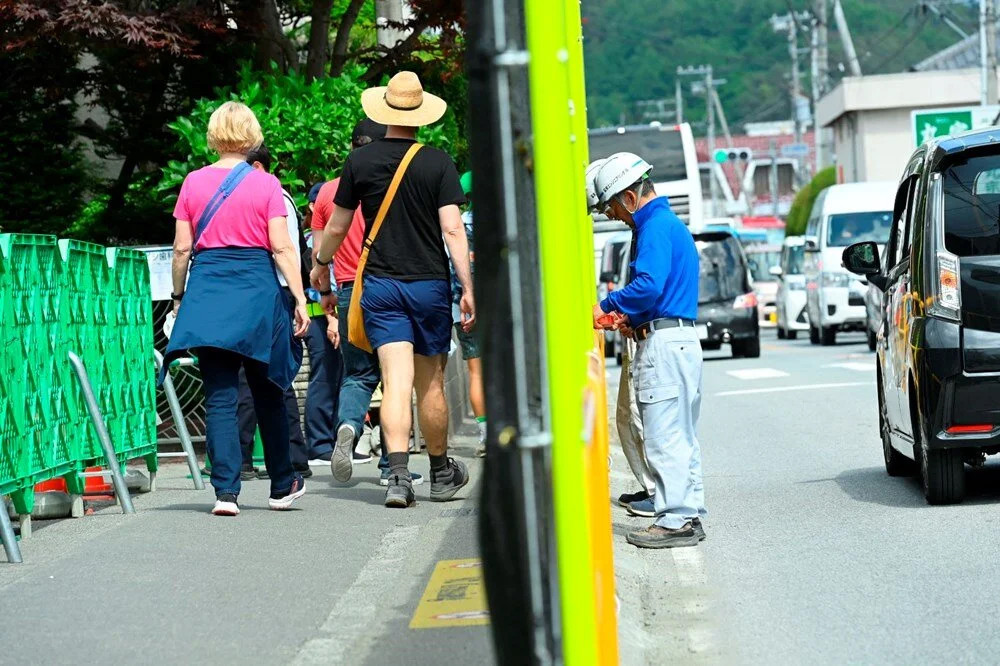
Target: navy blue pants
<point>326,368</point>
<point>220,371</point>
<point>361,372</point>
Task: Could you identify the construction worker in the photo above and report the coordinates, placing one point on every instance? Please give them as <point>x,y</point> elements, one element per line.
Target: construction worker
<point>660,304</point>
<point>627,420</point>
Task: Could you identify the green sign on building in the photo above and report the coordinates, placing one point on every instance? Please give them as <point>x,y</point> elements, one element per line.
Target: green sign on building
<point>929,124</point>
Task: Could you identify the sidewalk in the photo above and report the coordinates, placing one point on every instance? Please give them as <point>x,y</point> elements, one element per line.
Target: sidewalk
<point>666,601</point>
<point>336,580</point>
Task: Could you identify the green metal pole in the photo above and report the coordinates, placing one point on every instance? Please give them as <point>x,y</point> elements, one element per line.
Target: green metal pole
<point>560,200</point>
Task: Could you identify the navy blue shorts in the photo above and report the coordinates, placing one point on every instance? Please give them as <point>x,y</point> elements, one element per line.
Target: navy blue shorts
<point>418,312</point>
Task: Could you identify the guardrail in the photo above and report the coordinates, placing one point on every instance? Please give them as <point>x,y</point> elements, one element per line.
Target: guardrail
<point>77,367</point>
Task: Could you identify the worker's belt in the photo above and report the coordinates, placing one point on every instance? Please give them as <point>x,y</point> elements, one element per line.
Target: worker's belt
<point>345,285</point>
<point>315,310</point>
<point>647,329</point>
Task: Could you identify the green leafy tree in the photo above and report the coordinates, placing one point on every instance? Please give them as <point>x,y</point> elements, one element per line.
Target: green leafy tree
<point>798,214</point>
<point>307,128</point>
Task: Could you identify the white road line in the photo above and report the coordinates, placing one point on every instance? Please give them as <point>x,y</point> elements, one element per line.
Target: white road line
<point>757,373</point>
<point>359,607</point>
<point>859,367</point>
<point>800,387</point>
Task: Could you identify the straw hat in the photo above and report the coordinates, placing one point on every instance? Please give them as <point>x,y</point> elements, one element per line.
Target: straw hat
<point>403,102</point>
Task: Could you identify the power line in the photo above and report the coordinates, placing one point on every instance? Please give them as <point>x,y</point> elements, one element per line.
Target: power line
<point>909,40</point>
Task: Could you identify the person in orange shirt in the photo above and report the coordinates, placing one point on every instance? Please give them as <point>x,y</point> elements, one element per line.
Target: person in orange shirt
<point>361,369</point>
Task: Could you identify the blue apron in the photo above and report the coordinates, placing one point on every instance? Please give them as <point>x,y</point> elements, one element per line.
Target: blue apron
<point>233,301</point>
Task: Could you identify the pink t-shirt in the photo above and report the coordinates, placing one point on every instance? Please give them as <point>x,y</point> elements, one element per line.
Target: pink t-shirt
<point>242,219</point>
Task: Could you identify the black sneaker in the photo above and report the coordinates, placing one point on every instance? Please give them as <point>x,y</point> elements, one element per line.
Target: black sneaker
<point>248,473</point>
<point>283,501</point>
<point>627,498</point>
<point>225,505</point>
<point>655,536</point>
<point>698,529</point>
<point>304,471</point>
<point>448,481</point>
<point>399,494</point>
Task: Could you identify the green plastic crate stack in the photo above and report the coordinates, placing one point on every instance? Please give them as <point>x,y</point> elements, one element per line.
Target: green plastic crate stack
<point>133,427</point>
<point>35,446</point>
<point>86,279</point>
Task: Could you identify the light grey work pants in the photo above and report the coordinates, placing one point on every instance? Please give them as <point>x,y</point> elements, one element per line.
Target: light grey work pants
<point>629,422</point>
<point>667,381</point>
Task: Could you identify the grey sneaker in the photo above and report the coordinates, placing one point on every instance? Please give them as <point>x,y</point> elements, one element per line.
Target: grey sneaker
<point>698,529</point>
<point>447,482</point>
<point>341,462</point>
<point>399,493</point>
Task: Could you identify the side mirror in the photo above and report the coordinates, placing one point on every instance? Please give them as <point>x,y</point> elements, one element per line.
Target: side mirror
<point>811,246</point>
<point>607,276</point>
<point>862,259</point>
<point>775,271</point>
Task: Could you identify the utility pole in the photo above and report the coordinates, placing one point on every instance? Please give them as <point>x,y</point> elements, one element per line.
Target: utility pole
<point>820,83</point>
<point>737,165</point>
<point>678,98</point>
<point>988,52</point>
<point>789,23</point>
<point>845,36</point>
<point>773,150</point>
<point>709,84</point>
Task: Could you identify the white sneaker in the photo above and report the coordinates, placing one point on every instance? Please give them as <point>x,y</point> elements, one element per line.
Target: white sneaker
<point>341,462</point>
<point>225,505</point>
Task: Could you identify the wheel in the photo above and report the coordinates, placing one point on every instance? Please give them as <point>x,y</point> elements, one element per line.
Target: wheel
<point>942,471</point>
<point>871,340</point>
<point>792,335</point>
<point>609,348</point>
<point>746,348</point>
<point>896,464</point>
<point>829,336</point>
<point>618,357</point>
<point>781,333</point>
<point>813,335</point>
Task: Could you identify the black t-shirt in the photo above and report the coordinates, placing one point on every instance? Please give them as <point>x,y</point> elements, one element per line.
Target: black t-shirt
<point>409,245</point>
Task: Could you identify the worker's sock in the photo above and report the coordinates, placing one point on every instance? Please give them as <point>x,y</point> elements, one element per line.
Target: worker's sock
<point>481,422</point>
<point>438,463</point>
<point>398,462</point>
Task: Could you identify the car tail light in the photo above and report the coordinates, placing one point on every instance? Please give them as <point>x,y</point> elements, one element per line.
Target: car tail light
<point>969,429</point>
<point>745,301</point>
<point>947,301</point>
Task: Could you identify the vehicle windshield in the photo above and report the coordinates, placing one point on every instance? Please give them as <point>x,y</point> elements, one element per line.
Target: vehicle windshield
<point>760,264</point>
<point>794,258</point>
<point>664,149</point>
<point>723,274</point>
<point>972,206</point>
<point>849,228</point>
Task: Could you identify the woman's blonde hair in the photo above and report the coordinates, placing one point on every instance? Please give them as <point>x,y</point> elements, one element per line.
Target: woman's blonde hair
<point>233,128</point>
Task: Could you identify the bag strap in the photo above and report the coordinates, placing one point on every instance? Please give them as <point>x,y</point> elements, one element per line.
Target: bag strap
<point>390,194</point>
<point>228,186</point>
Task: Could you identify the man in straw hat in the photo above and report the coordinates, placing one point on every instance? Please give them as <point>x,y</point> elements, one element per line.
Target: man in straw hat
<point>406,298</point>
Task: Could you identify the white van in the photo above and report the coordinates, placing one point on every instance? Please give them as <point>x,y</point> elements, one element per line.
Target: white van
<point>842,215</point>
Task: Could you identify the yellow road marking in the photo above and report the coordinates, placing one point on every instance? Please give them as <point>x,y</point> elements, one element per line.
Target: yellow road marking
<point>455,597</point>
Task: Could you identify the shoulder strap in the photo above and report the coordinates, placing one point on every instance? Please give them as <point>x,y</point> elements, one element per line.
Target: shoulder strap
<point>235,177</point>
<point>390,194</point>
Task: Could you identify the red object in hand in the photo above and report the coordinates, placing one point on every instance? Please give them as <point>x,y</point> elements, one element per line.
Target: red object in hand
<point>610,320</point>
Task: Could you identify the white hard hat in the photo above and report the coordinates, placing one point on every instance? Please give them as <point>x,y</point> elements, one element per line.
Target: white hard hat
<point>619,172</point>
<point>589,177</point>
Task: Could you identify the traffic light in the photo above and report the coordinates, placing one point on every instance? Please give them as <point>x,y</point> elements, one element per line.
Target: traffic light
<point>723,155</point>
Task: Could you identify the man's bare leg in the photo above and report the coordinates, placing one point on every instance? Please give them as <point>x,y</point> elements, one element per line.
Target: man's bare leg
<point>448,476</point>
<point>432,406</point>
<point>396,359</point>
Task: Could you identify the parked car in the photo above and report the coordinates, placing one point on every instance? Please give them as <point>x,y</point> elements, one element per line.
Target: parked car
<point>611,274</point>
<point>790,301</point>
<point>938,346</point>
<point>841,215</point>
<point>761,259</point>
<point>727,305</point>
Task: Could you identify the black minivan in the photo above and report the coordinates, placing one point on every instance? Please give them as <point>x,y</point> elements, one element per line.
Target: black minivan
<point>938,346</point>
<point>727,304</point>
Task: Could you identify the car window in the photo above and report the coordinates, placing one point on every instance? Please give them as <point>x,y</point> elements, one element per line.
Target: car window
<point>760,264</point>
<point>723,271</point>
<point>971,187</point>
<point>898,246</point>
<point>794,257</point>
<point>846,229</point>
<point>812,227</point>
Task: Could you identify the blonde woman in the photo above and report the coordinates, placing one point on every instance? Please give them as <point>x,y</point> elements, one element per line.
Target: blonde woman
<point>230,234</point>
